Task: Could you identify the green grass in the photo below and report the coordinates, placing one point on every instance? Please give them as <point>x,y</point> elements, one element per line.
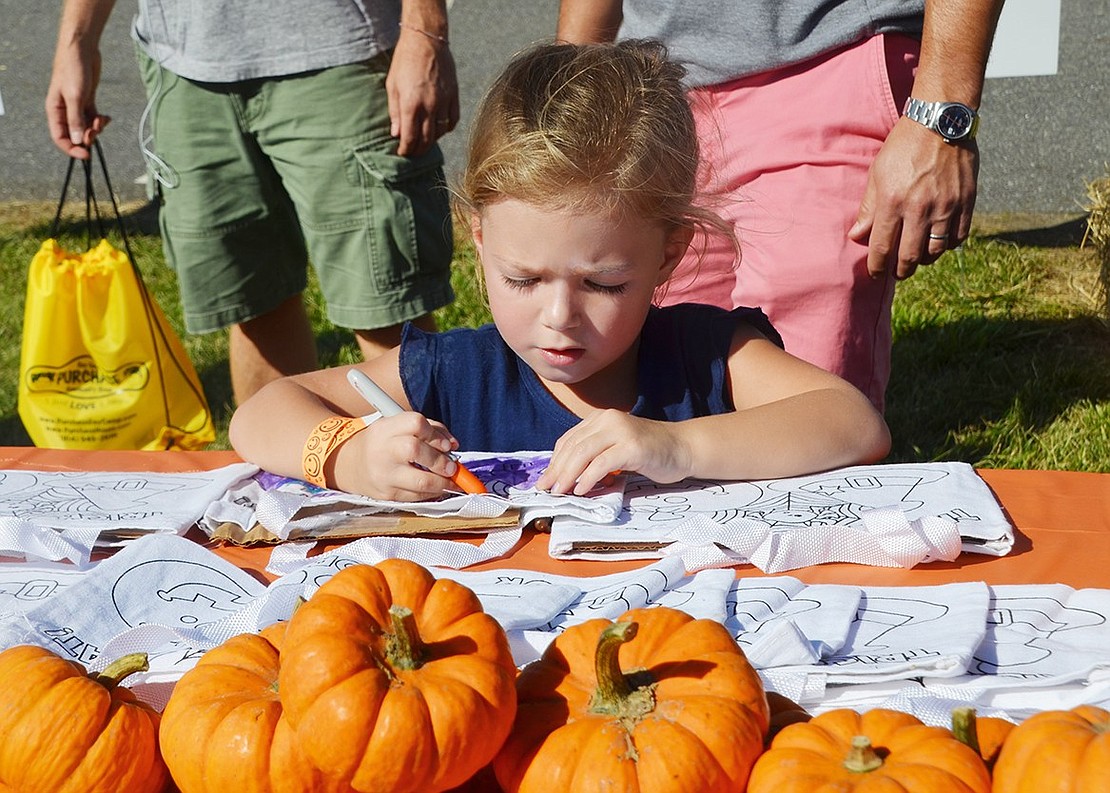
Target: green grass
<point>1001,354</point>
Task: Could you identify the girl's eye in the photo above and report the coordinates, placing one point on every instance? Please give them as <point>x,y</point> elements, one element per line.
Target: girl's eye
<point>518,283</point>
<point>609,289</point>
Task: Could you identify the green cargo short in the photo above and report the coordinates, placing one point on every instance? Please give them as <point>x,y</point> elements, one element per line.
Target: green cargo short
<point>258,178</point>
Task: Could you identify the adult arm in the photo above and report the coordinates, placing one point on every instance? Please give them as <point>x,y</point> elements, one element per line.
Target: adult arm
<point>71,114</point>
<point>790,419</point>
<point>920,185</point>
<point>422,86</point>
<point>588,21</point>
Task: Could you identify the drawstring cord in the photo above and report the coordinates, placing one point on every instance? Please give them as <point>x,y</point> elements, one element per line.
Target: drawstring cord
<point>159,169</point>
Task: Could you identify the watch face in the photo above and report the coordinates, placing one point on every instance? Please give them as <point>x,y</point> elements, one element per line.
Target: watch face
<point>954,121</point>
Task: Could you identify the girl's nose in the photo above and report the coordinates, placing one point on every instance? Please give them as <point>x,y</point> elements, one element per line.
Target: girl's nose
<point>560,308</point>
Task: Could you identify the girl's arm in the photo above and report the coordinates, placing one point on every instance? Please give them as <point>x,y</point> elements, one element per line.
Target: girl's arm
<point>270,430</point>
<point>791,418</point>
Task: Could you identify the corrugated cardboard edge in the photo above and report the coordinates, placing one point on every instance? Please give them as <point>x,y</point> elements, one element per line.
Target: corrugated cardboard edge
<point>393,524</point>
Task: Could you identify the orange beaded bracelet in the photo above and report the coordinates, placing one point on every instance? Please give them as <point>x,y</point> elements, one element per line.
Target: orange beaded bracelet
<point>329,435</point>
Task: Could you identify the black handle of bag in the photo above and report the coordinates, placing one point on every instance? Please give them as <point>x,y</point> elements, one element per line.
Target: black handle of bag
<point>92,207</point>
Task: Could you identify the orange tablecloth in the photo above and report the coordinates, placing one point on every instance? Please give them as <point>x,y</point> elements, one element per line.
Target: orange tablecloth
<point>1062,522</point>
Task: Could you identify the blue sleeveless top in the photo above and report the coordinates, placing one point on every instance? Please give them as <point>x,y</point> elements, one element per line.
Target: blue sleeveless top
<point>491,401</point>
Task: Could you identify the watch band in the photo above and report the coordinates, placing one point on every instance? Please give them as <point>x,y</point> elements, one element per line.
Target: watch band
<point>921,112</point>
<point>929,115</point>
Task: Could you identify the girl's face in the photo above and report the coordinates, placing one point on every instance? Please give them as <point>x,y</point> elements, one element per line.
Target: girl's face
<point>569,292</point>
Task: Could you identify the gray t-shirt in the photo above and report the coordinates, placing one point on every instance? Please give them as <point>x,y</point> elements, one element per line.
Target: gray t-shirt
<point>225,41</point>
<point>720,40</point>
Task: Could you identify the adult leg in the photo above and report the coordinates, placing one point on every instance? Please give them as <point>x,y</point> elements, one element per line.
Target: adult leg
<point>377,225</point>
<point>270,346</point>
<point>373,343</point>
<point>229,229</point>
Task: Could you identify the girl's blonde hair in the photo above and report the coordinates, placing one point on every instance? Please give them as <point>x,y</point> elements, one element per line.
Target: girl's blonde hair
<point>587,128</point>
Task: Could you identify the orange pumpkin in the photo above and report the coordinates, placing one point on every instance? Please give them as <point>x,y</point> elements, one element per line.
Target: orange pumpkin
<point>984,734</point>
<point>1057,750</point>
<point>65,730</point>
<point>395,681</point>
<point>880,750</point>
<point>657,701</point>
<point>784,712</point>
<point>223,727</point>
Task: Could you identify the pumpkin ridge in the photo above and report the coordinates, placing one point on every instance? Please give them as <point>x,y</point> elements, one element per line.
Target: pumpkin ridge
<point>680,731</point>
<point>474,677</point>
<point>423,753</point>
<point>620,769</point>
<point>72,732</point>
<point>107,765</point>
<point>733,751</point>
<point>444,696</point>
<point>61,702</point>
<point>445,606</point>
<point>675,632</point>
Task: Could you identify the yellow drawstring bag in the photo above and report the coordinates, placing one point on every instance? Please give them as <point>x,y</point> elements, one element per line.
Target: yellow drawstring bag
<point>100,367</point>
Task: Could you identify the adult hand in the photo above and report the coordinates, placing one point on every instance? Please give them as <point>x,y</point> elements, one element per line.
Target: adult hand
<point>919,200</point>
<point>612,440</point>
<point>423,91</point>
<point>71,114</point>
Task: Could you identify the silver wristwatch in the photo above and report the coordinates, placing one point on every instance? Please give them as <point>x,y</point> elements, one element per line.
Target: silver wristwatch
<point>951,120</point>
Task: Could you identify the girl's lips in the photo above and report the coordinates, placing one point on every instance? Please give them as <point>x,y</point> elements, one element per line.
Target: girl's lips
<point>562,357</point>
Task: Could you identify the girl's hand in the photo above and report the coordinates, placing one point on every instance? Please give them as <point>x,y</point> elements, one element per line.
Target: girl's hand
<point>611,440</point>
<point>398,458</point>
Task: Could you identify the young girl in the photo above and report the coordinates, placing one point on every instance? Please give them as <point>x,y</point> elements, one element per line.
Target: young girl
<point>578,193</point>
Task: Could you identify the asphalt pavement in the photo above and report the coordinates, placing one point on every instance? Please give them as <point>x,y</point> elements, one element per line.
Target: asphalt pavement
<point>1042,138</point>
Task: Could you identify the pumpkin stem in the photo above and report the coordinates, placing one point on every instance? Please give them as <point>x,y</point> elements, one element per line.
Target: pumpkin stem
<point>404,649</point>
<point>862,757</point>
<point>965,727</point>
<point>618,694</point>
<point>120,668</point>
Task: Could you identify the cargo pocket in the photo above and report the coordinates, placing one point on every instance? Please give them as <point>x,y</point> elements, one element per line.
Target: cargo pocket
<point>408,213</point>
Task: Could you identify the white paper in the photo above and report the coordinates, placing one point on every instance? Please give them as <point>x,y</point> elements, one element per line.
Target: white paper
<point>885,515</point>
<point>162,580</point>
<point>109,506</point>
<point>1010,651</point>
<point>913,631</point>
<point>782,622</point>
<point>1043,634</point>
<point>282,505</point>
<point>23,586</point>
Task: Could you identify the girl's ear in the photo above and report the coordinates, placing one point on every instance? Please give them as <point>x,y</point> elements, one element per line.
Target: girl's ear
<point>476,232</point>
<point>674,248</point>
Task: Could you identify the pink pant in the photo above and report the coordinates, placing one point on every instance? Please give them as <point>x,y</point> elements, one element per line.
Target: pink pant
<point>787,156</point>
